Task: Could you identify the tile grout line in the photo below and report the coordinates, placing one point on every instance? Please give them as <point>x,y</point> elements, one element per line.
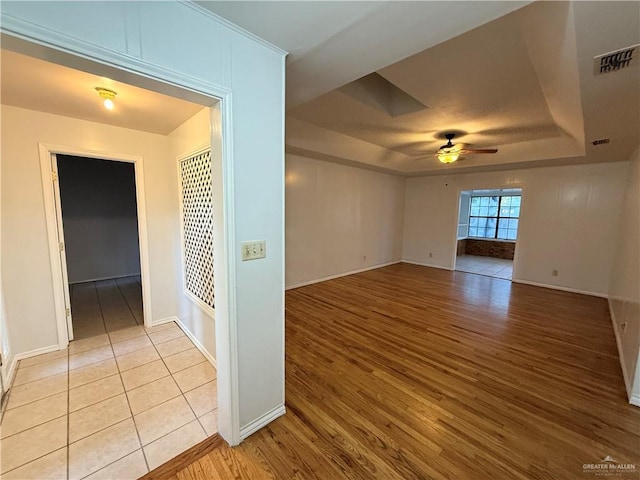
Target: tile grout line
<point>181,392</point>
<point>13,384</point>
<point>68,404</point>
<point>196,417</point>
<point>35,426</point>
<point>104,324</point>
<point>92,404</point>
<point>117,459</point>
<point>155,359</point>
<point>40,424</point>
<point>171,374</point>
<point>36,459</point>
<point>191,421</point>
<point>127,303</point>
<point>126,395</point>
<point>119,373</point>
<point>173,398</point>
<point>19,367</point>
<point>37,400</point>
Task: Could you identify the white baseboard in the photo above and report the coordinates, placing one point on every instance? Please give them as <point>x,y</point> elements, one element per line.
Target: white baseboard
<point>36,352</point>
<point>261,421</point>
<point>24,355</point>
<point>430,265</point>
<point>11,373</point>
<point>196,342</point>
<point>635,400</point>
<point>161,321</point>
<point>623,365</point>
<point>186,331</point>
<point>331,277</point>
<point>557,287</point>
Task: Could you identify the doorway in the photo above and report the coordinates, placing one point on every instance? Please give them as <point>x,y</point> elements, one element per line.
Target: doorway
<point>99,244</point>
<point>488,222</point>
<point>78,167</point>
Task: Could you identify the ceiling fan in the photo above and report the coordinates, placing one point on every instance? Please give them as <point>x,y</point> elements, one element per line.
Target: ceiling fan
<point>449,153</point>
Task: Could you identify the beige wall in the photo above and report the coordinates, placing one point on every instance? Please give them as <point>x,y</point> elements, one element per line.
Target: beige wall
<point>339,219</point>
<point>569,221</point>
<point>26,269</point>
<point>184,140</point>
<point>624,299</point>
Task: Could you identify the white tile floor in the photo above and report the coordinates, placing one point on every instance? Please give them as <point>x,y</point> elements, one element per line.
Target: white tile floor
<point>106,305</point>
<point>111,406</point>
<point>491,267</point>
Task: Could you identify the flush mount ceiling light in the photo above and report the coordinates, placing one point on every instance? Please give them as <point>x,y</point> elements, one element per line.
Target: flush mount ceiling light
<point>108,96</point>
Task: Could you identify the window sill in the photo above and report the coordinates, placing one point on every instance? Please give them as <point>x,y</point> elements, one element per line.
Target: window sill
<point>488,239</point>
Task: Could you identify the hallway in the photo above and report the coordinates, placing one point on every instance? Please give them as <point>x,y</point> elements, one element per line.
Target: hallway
<point>119,401</point>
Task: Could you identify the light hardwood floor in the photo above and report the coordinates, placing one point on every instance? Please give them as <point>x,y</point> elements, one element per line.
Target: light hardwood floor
<point>410,372</point>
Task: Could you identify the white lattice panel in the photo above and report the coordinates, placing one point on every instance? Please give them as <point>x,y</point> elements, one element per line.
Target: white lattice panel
<point>197,226</point>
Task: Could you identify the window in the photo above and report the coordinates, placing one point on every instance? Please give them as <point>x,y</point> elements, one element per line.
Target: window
<point>494,217</point>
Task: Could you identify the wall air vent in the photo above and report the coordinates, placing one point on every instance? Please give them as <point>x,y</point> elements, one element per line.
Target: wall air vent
<point>614,61</point>
<point>601,141</point>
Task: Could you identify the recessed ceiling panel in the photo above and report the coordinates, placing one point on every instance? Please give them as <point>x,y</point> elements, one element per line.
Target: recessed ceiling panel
<point>481,84</point>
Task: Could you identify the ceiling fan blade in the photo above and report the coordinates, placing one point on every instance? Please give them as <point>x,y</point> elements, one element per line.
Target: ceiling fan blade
<point>480,150</point>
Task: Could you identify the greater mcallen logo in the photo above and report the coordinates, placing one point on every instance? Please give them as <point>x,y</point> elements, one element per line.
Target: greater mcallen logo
<point>609,467</point>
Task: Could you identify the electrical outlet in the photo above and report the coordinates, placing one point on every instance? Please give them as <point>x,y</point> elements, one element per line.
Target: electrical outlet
<point>554,273</point>
<point>253,250</point>
<point>430,254</point>
<point>623,327</point>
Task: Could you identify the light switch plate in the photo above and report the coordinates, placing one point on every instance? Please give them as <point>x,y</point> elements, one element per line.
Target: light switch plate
<point>253,250</point>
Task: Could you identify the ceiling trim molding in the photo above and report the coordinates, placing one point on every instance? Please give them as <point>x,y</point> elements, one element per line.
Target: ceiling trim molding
<point>303,152</point>
<point>232,26</point>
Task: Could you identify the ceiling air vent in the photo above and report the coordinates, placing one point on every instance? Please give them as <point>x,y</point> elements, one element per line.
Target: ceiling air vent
<point>614,61</point>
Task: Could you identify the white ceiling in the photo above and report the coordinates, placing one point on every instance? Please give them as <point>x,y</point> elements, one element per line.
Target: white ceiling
<point>34,84</point>
<point>331,43</point>
<point>517,76</point>
<point>514,76</point>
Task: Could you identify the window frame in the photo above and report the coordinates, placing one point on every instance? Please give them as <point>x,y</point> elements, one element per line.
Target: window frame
<point>497,218</point>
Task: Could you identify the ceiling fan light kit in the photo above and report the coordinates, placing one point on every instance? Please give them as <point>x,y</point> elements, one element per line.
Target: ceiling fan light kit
<point>448,156</point>
<point>449,152</point>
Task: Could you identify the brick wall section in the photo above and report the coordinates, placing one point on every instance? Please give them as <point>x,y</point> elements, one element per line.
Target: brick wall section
<point>489,248</point>
<point>462,247</point>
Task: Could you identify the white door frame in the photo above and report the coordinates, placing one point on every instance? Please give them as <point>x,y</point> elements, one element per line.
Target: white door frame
<point>454,257</point>
<point>62,249</point>
<point>51,190</point>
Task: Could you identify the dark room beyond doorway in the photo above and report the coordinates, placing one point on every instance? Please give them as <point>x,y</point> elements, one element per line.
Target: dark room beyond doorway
<point>100,222</point>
